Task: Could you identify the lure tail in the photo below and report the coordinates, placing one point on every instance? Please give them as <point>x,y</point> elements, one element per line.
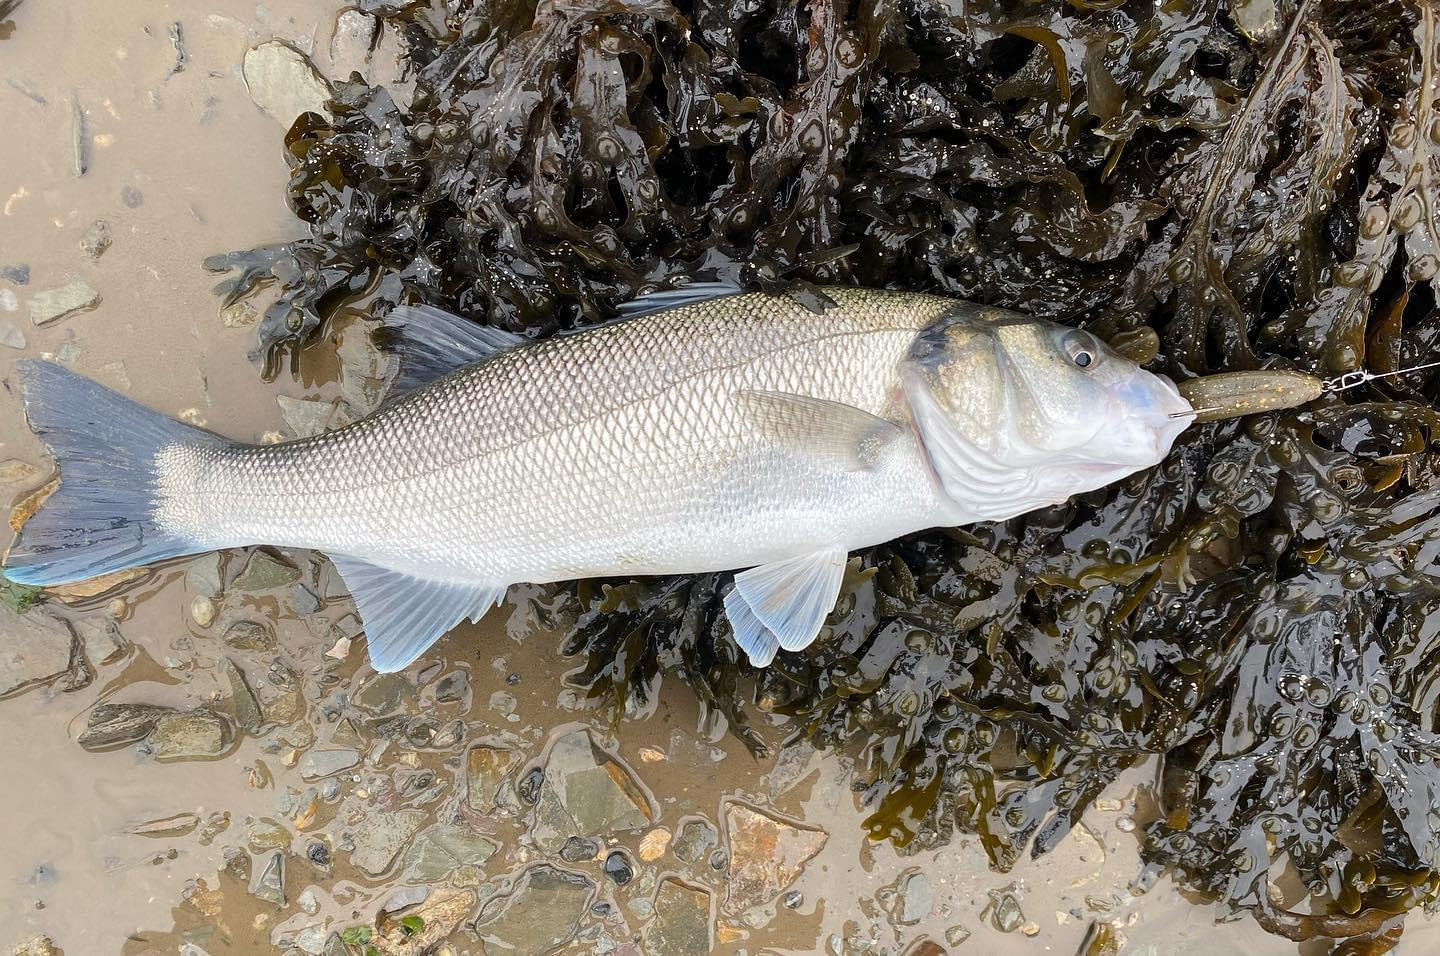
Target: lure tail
<point>102,519</point>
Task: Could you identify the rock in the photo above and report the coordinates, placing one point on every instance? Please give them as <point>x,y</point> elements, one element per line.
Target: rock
<point>188,736</point>
<point>580,849</point>
<point>1004,911</point>
<point>282,82</point>
<point>10,335</point>
<point>9,301</point>
<point>767,853</point>
<point>304,601</point>
<point>172,826</point>
<point>203,611</point>
<point>383,693</point>
<point>307,417</point>
<point>350,44</point>
<point>271,885</point>
<point>94,587</point>
<point>363,368</point>
<point>16,272</point>
<point>502,703</point>
<point>587,791</point>
<point>323,763</point>
<point>239,315</point>
<point>382,835</point>
<point>132,197</point>
<point>111,724</point>
<point>249,715</point>
<point>36,946</point>
<point>96,240</point>
<point>53,305</point>
<point>453,688</point>
<point>681,926</point>
<point>957,934</point>
<point>914,898</point>
<point>440,915</point>
<point>442,849</point>
<point>13,471</point>
<point>100,637</point>
<point>265,571</point>
<point>36,648</point>
<point>541,911</point>
<point>618,867</point>
<point>694,838</point>
<point>250,636</point>
<point>202,576</point>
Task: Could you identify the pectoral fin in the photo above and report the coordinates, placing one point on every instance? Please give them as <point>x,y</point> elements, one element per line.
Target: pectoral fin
<point>404,614</point>
<point>849,437</point>
<point>790,599</point>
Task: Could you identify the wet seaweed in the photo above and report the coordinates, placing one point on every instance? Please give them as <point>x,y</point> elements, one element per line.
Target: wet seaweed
<point>1258,618</point>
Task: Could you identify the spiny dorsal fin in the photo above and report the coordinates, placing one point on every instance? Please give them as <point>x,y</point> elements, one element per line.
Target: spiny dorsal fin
<point>847,437</point>
<point>403,614</point>
<point>431,343</point>
<point>674,298</point>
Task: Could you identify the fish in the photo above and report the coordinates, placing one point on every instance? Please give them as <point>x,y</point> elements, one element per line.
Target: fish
<point>705,429</point>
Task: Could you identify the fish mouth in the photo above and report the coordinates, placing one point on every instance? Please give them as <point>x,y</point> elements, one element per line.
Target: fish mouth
<point>1154,405</point>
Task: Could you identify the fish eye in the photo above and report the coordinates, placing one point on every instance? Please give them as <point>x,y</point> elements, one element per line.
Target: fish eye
<point>1081,348</point>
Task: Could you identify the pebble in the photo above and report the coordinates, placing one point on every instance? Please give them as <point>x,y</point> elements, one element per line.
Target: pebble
<point>248,712</point>
<point>16,272</point>
<point>111,724</point>
<point>916,897</point>
<point>188,736</point>
<point>539,913</point>
<point>681,926</point>
<point>579,849</point>
<point>9,301</point>
<point>203,611</point>
<point>250,636</point>
<point>283,83</point>
<point>767,854</point>
<point>10,334</point>
<point>202,576</point>
<point>1125,824</point>
<point>654,844</point>
<point>618,868</point>
<point>379,840</point>
<point>55,304</point>
<point>97,239</point>
<point>36,649</point>
<point>271,885</point>
<point>265,571</point>
<point>324,763</point>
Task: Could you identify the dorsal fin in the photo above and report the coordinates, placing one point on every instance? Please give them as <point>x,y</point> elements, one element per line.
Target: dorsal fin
<point>674,298</point>
<point>431,343</point>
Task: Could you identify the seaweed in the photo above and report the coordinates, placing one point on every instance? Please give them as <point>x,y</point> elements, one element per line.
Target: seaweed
<point>1258,617</point>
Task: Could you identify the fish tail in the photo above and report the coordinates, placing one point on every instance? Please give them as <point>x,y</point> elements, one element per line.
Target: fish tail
<point>103,516</point>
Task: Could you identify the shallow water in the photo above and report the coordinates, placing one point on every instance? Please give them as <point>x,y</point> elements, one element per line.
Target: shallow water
<point>182,165</point>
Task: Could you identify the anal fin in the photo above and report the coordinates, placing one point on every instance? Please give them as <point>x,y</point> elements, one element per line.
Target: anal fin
<point>404,614</point>
<point>790,599</point>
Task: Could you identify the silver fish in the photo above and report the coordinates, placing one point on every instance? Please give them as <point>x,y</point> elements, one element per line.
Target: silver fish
<point>707,430</point>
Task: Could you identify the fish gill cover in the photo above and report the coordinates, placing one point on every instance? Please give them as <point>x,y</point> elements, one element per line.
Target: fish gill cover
<point>1258,181</point>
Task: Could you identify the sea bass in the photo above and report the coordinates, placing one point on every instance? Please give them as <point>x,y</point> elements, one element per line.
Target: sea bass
<point>706,430</point>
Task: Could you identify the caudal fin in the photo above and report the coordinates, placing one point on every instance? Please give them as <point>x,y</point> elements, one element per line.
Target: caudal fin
<point>102,518</point>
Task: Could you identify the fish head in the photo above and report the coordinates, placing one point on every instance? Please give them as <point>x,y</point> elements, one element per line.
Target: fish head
<point>1016,412</point>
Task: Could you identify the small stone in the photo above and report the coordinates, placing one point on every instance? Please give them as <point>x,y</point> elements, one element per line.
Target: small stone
<point>132,197</point>
<point>202,576</point>
<point>96,240</point>
<point>282,82</point>
<point>271,885</point>
<point>13,471</point>
<point>541,911</point>
<point>188,736</point>
<point>956,935</point>
<point>93,587</point>
<point>350,44</point>
<point>767,854</point>
<point>15,272</point>
<point>443,849</point>
<point>383,693</point>
<point>250,636</point>
<point>269,835</point>
<point>585,789</point>
<point>453,688</point>
<point>502,703</point>
<point>177,825</point>
<point>307,418</point>
<point>693,840</point>
<point>379,840</point>
<point>915,897</point>
<point>53,305</point>
<point>405,897</point>
<point>203,611</point>
<point>363,368</point>
<point>654,844</point>
<point>324,763</point>
<point>304,601</point>
<point>36,946</point>
<point>100,637</point>
<point>264,571</point>
<point>239,315</point>
<point>579,849</point>
<point>681,926</point>
<point>111,724</point>
<point>1004,911</point>
<point>1125,824</point>
<point>1030,929</point>
<point>618,868</point>
<point>36,648</point>
<point>10,335</point>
